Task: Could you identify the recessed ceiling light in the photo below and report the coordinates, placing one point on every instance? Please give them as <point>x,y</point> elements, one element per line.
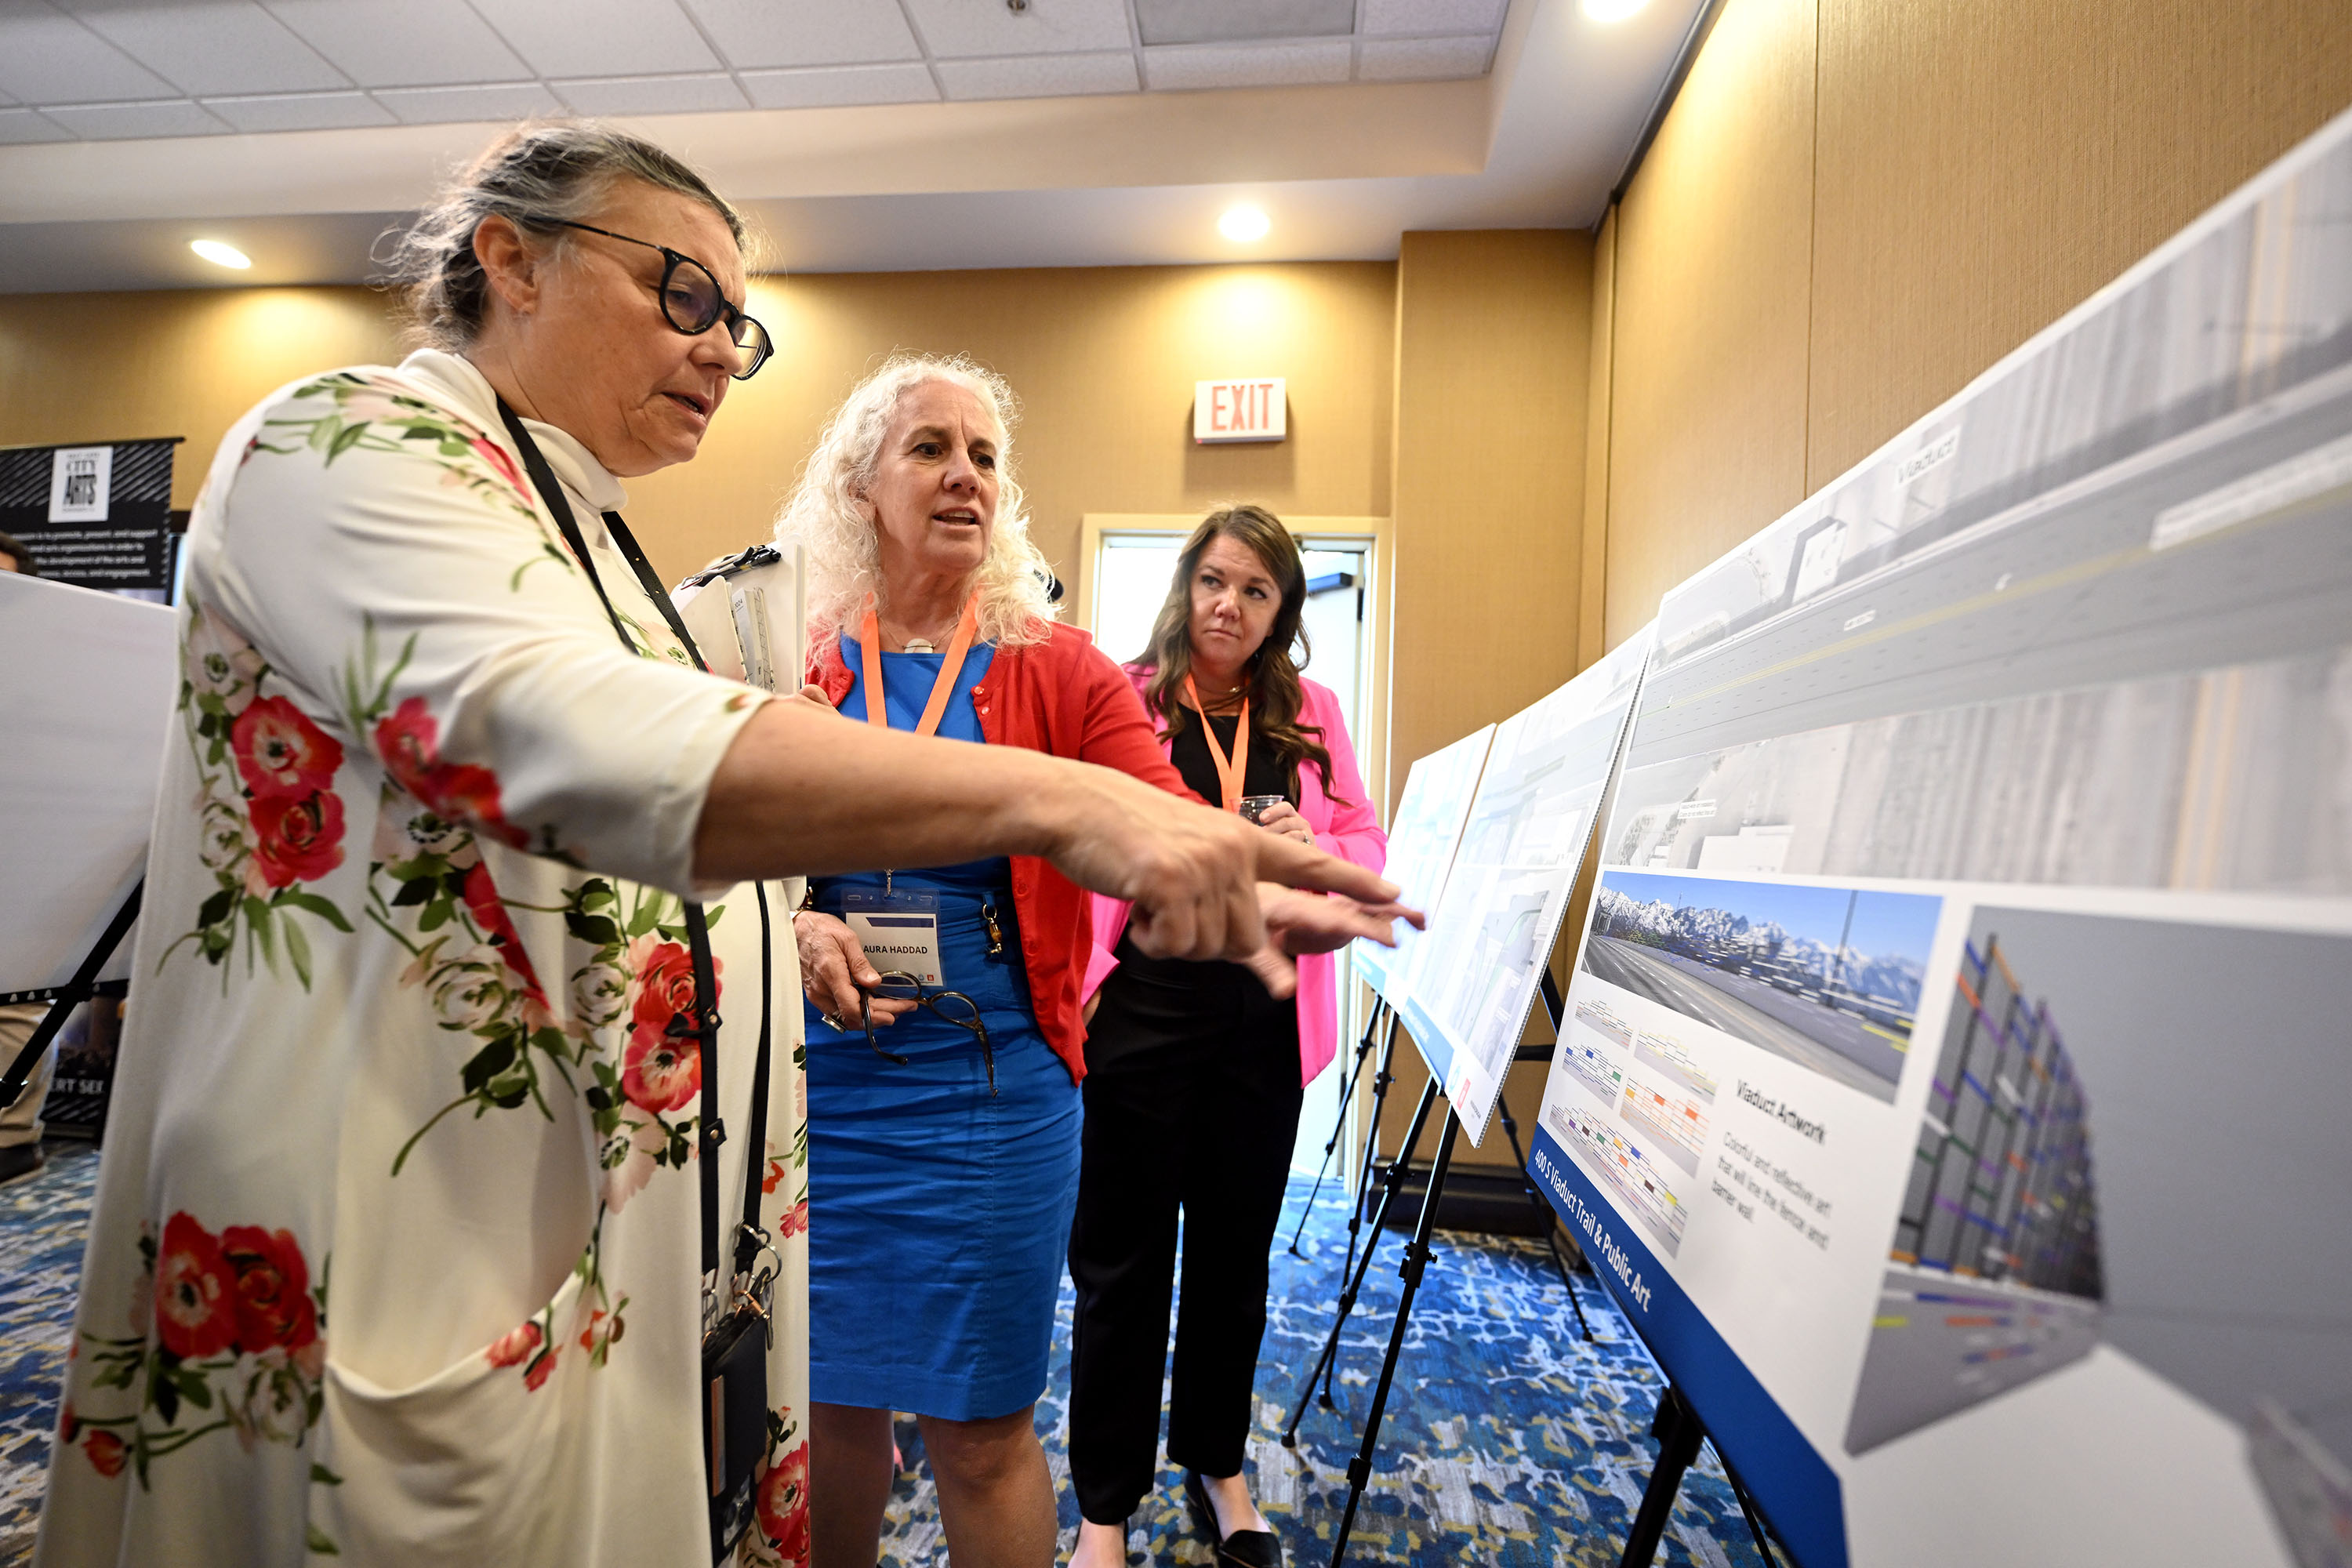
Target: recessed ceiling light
<point>1612,10</point>
<point>221,255</point>
<point>1243,224</point>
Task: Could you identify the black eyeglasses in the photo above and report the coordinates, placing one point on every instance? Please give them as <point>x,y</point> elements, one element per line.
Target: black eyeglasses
<point>692,302</point>
<point>954,1006</point>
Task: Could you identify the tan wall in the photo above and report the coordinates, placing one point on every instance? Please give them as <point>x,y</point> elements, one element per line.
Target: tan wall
<point>1855,206</point>
<point>1493,335</point>
<point>1104,358</point>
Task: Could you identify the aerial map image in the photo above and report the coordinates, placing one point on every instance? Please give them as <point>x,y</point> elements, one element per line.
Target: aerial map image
<point>1828,977</point>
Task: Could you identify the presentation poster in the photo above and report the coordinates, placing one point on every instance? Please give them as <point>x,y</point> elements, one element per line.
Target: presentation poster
<point>1957,1051</point>
<point>1422,839</point>
<point>1468,982</point>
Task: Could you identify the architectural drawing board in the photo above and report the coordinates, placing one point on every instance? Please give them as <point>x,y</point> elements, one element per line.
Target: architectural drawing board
<point>1970,968</point>
<point>1470,979</point>
<point>1421,838</point>
<point>90,680</point>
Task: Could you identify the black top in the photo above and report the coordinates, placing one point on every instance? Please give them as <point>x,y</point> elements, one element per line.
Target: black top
<point>1264,776</point>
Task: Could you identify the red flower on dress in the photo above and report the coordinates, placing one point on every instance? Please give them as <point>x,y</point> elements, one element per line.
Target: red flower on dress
<point>665,984</point>
<point>195,1290</point>
<point>514,1347</point>
<point>296,840</point>
<point>664,1071</point>
<point>537,1373</point>
<point>408,740</point>
<point>792,1221</point>
<point>785,1504</point>
<point>273,1288</point>
<point>69,1423</point>
<point>106,1453</point>
<point>279,751</point>
<point>495,456</point>
<point>489,912</point>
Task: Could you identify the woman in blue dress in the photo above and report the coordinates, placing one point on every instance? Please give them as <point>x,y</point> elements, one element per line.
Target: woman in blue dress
<point>943,1158</point>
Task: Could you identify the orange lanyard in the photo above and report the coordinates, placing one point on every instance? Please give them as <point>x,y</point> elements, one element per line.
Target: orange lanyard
<point>1231,772</point>
<point>877,709</point>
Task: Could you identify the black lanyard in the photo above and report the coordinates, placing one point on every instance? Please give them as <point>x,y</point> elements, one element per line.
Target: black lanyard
<point>750,1237</point>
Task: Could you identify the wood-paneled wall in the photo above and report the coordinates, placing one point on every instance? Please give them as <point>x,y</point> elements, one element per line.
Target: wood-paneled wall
<point>1493,334</point>
<point>1103,358</point>
<point>1856,205</point>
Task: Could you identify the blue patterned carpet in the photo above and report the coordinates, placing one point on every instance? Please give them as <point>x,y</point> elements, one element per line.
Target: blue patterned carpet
<point>1507,1440</point>
<point>41,1227</point>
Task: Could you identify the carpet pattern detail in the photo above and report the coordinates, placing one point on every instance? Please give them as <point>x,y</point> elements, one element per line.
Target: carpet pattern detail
<point>43,1222</point>
<point>1507,1439</point>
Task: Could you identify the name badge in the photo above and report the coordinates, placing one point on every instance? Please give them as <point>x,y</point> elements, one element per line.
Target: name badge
<point>899,931</point>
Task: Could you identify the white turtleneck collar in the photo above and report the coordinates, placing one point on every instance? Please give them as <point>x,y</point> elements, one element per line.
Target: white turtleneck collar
<point>576,467</point>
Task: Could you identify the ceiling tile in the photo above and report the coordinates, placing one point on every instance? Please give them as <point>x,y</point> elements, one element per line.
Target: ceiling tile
<point>300,111</point>
<point>1258,65</point>
<point>806,32</point>
<point>1227,21</point>
<point>402,43</point>
<point>48,59</point>
<point>1423,59</point>
<point>1046,27</point>
<point>451,105</point>
<point>600,37</point>
<point>652,94</point>
<point>132,121</point>
<point>827,87</point>
<point>210,46</point>
<point>19,126</point>
<point>1041,76</point>
<point>1431,17</point>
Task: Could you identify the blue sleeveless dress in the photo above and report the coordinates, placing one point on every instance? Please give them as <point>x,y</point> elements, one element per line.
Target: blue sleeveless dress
<point>938,1216</point>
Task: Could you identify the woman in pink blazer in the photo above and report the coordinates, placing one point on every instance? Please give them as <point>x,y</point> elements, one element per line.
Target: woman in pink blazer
<point>1193,1071</point>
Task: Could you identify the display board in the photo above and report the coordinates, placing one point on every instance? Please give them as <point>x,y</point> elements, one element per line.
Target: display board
<point>1467,983</point>
<point>90,681</point>
<point>1421,836</point>
<point>97,516</point>
<point>1956,1061</point>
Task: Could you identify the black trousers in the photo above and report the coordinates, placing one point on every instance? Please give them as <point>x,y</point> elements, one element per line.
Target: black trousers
<point>1191,1098</point>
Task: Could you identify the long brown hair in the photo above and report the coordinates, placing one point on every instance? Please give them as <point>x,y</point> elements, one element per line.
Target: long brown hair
<point>1275,695</point>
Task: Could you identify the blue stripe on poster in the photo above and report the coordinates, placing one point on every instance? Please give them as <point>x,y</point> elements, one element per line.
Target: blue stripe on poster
<point>1796,1490</point>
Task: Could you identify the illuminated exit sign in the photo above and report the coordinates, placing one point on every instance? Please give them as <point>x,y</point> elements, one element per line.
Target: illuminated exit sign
<point>1237,410</point>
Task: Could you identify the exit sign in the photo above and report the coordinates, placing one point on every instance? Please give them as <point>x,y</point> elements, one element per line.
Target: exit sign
<point>1237,410</point>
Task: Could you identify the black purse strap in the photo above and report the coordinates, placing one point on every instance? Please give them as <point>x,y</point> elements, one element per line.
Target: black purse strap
<point>704,1028</point>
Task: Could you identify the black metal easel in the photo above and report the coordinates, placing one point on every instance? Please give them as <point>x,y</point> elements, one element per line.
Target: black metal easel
<point>64,999</point>
<point>1679,1432</point>
<point>1339,1123</point>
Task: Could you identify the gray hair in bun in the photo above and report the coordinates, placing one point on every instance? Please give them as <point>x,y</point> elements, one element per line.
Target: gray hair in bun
<point>538,177</point>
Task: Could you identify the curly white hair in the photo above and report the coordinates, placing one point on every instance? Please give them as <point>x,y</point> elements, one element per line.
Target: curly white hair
<point>827,518</point>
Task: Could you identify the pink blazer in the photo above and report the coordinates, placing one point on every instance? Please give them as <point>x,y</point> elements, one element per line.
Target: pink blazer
<point>1351,832</point>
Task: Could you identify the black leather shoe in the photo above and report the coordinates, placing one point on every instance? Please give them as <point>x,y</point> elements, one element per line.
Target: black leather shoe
<point>1242,1548</point>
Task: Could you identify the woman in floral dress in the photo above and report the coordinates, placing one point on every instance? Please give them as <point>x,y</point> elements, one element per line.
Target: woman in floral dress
<point>395,1254</point>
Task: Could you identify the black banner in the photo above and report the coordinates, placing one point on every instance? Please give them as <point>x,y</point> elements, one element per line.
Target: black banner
<point>98,516</point>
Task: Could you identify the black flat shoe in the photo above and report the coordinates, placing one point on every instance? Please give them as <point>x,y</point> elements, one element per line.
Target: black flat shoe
<point>1242,1548</point>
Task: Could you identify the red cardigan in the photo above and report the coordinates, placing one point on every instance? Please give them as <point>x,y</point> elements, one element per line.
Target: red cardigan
<point>1065,698</point>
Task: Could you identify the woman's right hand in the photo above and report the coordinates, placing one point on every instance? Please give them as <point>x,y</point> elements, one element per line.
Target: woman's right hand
<point>1190,872</point>
<point>834,971</point>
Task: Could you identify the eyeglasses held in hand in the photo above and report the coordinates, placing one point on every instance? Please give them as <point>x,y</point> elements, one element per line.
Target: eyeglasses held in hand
<point>691,300</point>
<point>954,1006</point>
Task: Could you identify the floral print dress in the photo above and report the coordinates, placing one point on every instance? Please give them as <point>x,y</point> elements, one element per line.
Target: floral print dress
<point>396,1251</point>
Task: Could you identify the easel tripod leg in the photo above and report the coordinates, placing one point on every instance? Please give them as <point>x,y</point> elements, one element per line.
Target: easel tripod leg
<point>1340,1124</point>
<point>1390,1184</point>
<point>1551,1229</point>
<point>1416,1258</point>
<point>1679,1434</point>
<point>1381,1082</point>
